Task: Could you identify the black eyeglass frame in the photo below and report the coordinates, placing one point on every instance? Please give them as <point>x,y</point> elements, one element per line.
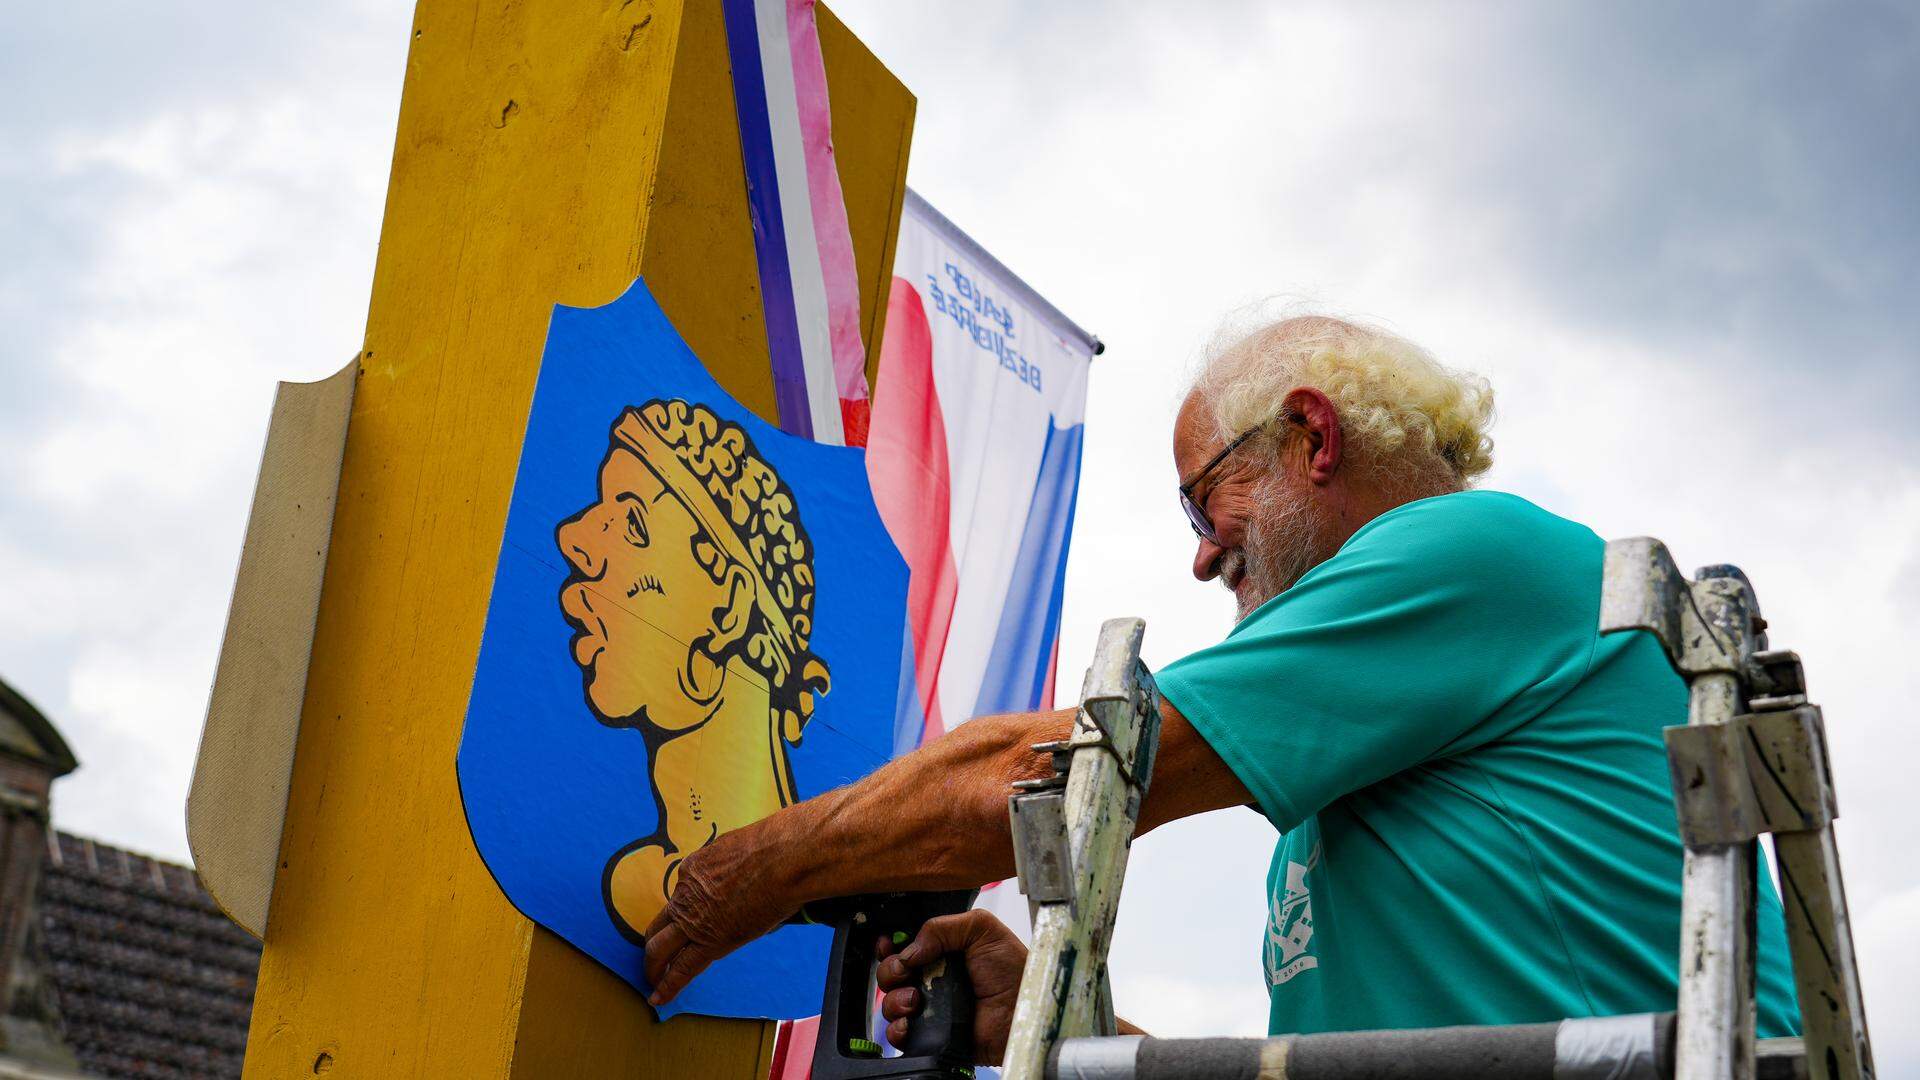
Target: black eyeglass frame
<point>1197,514</point>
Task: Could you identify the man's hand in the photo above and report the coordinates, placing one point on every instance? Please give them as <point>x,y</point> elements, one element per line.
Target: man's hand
<point>941,813</point>
<point>994,958</point>
<point>729,893</point>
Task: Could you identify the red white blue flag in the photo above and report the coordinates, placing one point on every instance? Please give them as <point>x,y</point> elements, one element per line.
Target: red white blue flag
<point>975,435</point>
<point>809,286</point>
<point>977,440</point>
<point>974,458</point>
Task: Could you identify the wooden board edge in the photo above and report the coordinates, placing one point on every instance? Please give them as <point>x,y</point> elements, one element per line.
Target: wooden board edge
<point>237,799</point>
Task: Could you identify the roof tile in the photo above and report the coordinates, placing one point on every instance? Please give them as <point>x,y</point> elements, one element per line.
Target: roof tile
<point>151,979</point>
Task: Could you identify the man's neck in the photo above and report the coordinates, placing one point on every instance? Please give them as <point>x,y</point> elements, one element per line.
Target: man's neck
<point>1353,506</point>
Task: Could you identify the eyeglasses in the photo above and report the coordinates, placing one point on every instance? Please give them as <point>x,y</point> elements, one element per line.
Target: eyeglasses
<point>1196,513</point>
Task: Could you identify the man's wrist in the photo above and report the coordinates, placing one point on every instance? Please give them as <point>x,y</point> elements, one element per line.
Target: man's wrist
<point>816,871</point>
<point>792,858</point>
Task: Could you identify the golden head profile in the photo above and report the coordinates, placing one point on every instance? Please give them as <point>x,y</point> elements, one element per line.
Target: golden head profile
<point>692,602</point>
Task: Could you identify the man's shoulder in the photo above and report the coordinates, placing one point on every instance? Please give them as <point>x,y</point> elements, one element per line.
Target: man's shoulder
<point>1494,524</point>
<point>1483,541</point>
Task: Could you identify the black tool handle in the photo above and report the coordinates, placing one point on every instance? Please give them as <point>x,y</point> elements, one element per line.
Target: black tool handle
<point>939,1041</point>
<point>945,1020</point>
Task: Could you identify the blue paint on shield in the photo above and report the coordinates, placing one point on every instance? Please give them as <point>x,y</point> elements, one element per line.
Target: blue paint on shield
<point>679,583</point>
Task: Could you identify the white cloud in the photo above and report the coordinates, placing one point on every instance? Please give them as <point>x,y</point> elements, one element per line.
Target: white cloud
<point>1186,959</point>
<point>214,244</point>
<point>1887,937</point>
<point>1176,1007</point>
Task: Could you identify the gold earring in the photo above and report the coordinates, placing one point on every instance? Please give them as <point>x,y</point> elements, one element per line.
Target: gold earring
<point>703,675</point>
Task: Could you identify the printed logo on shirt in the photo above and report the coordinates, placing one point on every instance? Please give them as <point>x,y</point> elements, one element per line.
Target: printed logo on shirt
<point>1290,924</point>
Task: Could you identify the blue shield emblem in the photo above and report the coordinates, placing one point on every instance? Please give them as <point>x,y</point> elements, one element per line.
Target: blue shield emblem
<point>696,619</point>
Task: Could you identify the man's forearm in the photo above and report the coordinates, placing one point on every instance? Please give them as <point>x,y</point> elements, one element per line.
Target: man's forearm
<point>934,819</point>
<point>937,818</point>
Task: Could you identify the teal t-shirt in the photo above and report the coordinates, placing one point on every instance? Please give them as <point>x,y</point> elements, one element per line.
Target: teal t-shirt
<point>1469,781</point>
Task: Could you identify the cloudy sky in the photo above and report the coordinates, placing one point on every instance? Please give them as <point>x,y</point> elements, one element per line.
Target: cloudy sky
<point>1681,240</point>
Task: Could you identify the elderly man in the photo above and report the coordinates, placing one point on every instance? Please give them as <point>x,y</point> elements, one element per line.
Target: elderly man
<point>1468,781</point>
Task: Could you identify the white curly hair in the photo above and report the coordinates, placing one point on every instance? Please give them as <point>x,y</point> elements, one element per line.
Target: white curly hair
<point>1417,426</point>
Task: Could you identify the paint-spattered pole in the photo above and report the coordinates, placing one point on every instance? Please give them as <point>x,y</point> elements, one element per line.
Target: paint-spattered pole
<point>1752,759</point>
<point>1071,835</point>
<point>1716,932</point>
<point>1707,629</point>
<point>546,154</point>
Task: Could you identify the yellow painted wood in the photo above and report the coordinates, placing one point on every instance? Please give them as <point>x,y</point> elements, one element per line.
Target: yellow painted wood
<point>546,153</point>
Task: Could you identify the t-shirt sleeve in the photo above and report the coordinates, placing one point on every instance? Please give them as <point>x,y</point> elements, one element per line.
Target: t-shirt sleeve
<point>1434,630</point>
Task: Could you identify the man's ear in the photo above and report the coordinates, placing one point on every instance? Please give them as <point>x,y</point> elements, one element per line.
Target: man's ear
<point>735,614</point>
<point>1322,421</point>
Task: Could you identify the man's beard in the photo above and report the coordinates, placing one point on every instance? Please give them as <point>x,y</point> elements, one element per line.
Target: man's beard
<point>1284,539</point>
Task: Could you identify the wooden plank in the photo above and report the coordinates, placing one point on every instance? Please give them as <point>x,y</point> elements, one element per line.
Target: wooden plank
<point>545,154</point>
<point>238,799</point>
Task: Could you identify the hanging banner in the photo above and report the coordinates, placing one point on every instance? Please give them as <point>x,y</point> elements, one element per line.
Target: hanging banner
<point>976,464</point>
<point>809,286</point>
<point>974,459</point>
<point>974,431</point>
<point>976,442</point>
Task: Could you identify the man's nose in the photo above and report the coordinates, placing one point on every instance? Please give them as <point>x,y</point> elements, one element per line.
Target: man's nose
<point>1206,561</point>
<point>575,542</point>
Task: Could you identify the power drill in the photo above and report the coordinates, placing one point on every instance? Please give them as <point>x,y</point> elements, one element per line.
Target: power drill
<point>939,1042</point>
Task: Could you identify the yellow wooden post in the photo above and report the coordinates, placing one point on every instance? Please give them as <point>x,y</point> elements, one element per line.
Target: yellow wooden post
<point>547,153</point>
